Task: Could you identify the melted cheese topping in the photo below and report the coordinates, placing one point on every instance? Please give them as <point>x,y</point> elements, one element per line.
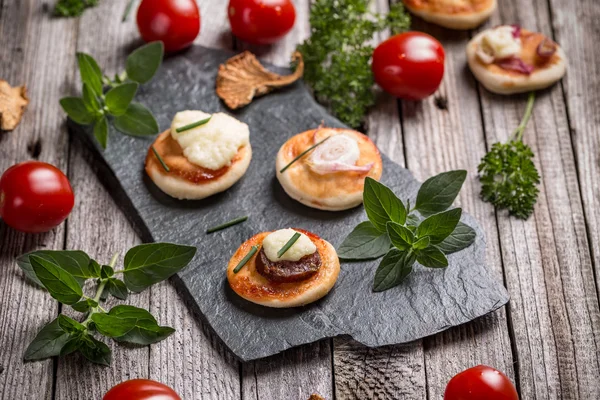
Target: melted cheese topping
<point>276,240</point>
<point>500,42</point>
<point>213,145</point>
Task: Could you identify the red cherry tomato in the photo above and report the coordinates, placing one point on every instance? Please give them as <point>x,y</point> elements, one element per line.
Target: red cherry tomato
<point>261,21</point>
<point>141,389</point>
<point>35,197</point>
<point>409,65</point>
<point>174,22</point>
<point>480,382</point>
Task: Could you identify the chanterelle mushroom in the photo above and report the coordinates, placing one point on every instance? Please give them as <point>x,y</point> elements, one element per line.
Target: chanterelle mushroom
<point>13,101</point>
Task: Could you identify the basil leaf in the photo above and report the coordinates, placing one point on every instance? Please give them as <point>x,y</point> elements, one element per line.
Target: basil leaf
<point>401,237</point>
<point>151,263</point>
<point>94,350</point>
<point>439,192</point>
<point>77,110</point>
<point>137,121</point>
<point>84,305</point>
<point>90,99</point>
<point>393,269</point>
<point>439,226</point>
<point>117,288</point>
<point>382,205</point>
<point>47,343</point>
<point>73,344</point>
<point>142,64</point>
<point>60,284</point>
<point>75,262</point>
<point>106,272</point>
<point>94,269</point>
<point>462,237</point>
<point>101,131</point>
<point>69,325</point>
<point>131,324</point>
<point>421,243</point>
<point>90,72</point>
<point>364,243</point>
<point>432,257</point>
<point>118,98</point>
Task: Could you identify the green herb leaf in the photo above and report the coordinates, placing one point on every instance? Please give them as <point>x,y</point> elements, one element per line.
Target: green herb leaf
<point>75,262</point>
<point>395,266</point>
<point>106,272</point>
<point>382,205</point>
<point>47,343</point>
<point>365,242</point>
<point>94,350</point>
<point>137,121</point>
<point>142,64</point>
<point>60,284</point>
<point>90,99</point>
<point>439,226</point>
<point>77,110</point>
<point>462,237</point>
<point>90,72</point>
<point>421,243</point>
<point>101,131</point>
<point>119,97</point>
<point>117,288</point>
<point>151,263</point>
<point>69,325</point>
<point>84,305</point>
<point>432,257</point>
<point>402,238</point>
<point>439,192</point>
<point>94,268</point>
<point>72,8</point>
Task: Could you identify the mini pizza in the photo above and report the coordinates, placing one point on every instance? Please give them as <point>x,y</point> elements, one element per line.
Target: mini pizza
<point>304,273</point>
<point>200,155</point>
<point>508,59</point>
<point>332,175</point>
<point>453,14</point>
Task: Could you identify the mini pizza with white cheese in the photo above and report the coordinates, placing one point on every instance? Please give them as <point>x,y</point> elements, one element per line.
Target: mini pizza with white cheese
<point>453,14</point>
<point>508,59</point>
<point>202,160</point>
<point>304,273</point>
<point>332,175</point>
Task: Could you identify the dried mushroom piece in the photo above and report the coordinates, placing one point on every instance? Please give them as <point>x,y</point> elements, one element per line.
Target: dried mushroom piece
<point>243,77</point>
<point>13,101</point>
<point>316,396</point>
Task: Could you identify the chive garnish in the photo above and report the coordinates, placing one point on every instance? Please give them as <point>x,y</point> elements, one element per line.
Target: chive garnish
<point>192,125</point>
<point>127,10</point>
<point>289,244</point>
<point>299,156</point>
<point>227,224</point>
<point>162,162</point>
<point>244,260</point>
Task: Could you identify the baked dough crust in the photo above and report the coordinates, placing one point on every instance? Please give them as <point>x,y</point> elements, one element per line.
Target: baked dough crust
<point>453,14</point>
<point>502,81</point>
<point>335,191</point>
<point>252,286</point>
<point>189,181</point>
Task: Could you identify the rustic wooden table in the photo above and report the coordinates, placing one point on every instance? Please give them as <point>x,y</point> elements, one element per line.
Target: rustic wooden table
<point>547,339</point>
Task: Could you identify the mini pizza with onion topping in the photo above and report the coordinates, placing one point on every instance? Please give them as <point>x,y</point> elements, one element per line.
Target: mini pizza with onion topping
<point>305,272</point>
<point>508,59</point>
<point>202,154</point>
<point>453,14</point>
<point>331,176</point>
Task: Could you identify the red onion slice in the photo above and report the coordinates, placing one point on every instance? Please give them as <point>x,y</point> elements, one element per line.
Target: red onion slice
<point>516,31</point>
<point>546,48</point>
<point>515,64</point>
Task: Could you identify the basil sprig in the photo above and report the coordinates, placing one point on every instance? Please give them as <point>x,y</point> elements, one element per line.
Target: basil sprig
<point>64,273</point>
<point>425,234</point>
<point>104,100</point>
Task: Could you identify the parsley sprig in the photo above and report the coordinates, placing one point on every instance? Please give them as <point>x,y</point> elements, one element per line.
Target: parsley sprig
<point>508,175</point>
<point>64,273</point>
<point>337,55</point>
<point>425,234</point>
<point>72,8</point>
<point>107,100</point>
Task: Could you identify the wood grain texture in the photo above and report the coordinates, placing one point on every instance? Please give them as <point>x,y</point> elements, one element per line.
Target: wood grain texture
<point>30,41</point>
<point>554,305</point>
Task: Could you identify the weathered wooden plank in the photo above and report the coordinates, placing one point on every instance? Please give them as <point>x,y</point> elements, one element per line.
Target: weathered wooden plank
<point>554,307</point>
<point>31,44</point>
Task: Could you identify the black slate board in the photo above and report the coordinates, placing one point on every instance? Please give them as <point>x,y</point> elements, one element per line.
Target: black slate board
<point>429,301</point>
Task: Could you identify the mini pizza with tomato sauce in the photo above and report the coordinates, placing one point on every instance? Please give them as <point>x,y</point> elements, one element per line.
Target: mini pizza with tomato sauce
<point>453,14</point>
<point>267,272</point>
<point>330,176</point>
<point>508,59</point>
<point>200,155</point>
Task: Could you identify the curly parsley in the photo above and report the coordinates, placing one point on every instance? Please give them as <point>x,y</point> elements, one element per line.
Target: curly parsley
<point>72,8</point>
<point>337,57</point>
<point>508,175</point>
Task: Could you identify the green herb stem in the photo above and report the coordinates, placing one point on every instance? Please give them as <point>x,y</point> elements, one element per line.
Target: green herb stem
<point>192,125</point>
<point>245,260</point>
<point>289,244</point>
<point>299,156</point>
<point>518,133</point>
<point>160,159</point>
<point>227,224</point>
<point>127,10</point>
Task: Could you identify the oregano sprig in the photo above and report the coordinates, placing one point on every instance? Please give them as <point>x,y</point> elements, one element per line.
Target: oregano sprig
<point>64,273</point>
<point>425,234</point>
<point>104,100</point>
